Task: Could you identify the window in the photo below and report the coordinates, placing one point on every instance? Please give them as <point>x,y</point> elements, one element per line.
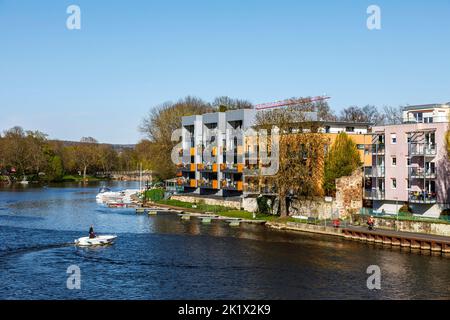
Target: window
<point>408,161</point>
<point>418,116</point>
<point>360,146</point>
<point>394,161</point>
<point>394,183</point>
<point>408,184</point>
<point>350,129</point>
<point>393,138</point>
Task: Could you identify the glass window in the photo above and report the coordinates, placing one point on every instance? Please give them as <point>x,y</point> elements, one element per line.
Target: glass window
<point>394,183</point>
<point>394,161</point>
<point>393,138</point>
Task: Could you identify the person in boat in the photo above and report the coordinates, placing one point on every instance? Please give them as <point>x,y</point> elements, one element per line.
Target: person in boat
<point>91,232</point>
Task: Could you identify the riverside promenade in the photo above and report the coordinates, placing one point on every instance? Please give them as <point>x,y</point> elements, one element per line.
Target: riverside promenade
<point>410,240</point>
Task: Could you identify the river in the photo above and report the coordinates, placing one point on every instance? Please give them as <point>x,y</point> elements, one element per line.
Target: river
<point>162,257</point>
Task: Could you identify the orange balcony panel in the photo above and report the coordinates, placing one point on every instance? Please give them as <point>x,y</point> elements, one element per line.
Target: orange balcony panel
<point>180,182</point>
<point>200,166</point>
<point>192,167</point>
<point>240,167</point>
<point>223,166</point>
<point>214,151</point>
<point>192,151</point>
<point>215,184</point>
<point>214,167</point>
<point>239,186</point>
<point>193,183</point>
<point>179,174</point>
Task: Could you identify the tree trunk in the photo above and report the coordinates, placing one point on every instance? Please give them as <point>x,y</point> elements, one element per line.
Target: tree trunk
<point>283,207</point>
<point>84,173</point>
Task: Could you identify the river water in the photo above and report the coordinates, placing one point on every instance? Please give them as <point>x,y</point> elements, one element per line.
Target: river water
<point>162,257</point>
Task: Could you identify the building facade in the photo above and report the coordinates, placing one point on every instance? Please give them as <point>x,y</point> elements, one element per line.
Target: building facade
<point>216,161</point>
<point>410,164</point>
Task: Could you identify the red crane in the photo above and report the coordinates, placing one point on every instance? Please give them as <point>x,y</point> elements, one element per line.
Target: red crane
<point>289,102</point>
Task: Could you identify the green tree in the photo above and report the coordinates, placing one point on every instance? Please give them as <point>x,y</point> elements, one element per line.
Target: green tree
<point>342,159</point>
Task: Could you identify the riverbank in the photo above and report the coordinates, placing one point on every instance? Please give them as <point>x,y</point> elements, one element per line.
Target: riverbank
<point>393,238</point>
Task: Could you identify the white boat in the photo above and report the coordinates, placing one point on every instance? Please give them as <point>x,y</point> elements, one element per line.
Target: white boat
<point>117,197</point>
<point>97,241</point>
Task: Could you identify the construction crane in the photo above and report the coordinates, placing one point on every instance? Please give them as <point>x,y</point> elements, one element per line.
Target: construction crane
<point>290,102</point>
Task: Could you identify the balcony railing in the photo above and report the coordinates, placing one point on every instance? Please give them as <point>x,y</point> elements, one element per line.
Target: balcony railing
<point>375,171</point>
<point>190,167</point>
<point>422,197</point>
<point>232,167</point>
<point>269,190</point>
<point>375,194</point>
<point>422,149</point>
<point>208,167</point>
<point>209,184</point>
<point>232,185</point>
<point>421,173</point>
<point>251,188</point>
<point>378,148</point>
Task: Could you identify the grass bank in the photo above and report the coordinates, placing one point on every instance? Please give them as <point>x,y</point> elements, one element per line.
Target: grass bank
<point>224,211</point>
<point>76,178</point>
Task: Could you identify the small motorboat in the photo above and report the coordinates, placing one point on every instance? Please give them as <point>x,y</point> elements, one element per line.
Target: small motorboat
<point>97,241</point>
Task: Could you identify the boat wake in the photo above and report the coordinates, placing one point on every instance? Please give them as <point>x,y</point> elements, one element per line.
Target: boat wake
<point>5,252</point>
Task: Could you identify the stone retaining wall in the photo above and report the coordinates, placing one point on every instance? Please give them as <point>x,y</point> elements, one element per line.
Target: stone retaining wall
<point>209,201</point>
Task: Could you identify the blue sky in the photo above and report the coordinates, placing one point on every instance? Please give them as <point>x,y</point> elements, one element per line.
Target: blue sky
<point>131,55</point>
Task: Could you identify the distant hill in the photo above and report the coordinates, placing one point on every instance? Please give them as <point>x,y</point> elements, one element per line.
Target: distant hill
<point>117,147</point>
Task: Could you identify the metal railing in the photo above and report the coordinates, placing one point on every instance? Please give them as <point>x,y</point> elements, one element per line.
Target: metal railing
<point>375,194</point>
<point>417,172</point>
<point>378,148</point>
<point>422,197</point>
<point>375,171</point>
<point>422,149</point>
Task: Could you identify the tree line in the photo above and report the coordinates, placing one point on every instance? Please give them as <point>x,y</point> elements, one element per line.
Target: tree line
<point>31,154</point>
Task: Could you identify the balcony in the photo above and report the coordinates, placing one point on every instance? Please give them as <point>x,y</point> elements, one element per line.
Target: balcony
<point>378,148</point>
<point>207,167</point>
<point>422,149</point>
<point>252,188</point>
<point>269,190</point>
<point>232,185</point>
<point>421,173</point>
<point>233,167</point>
<point>375,171</point>
<point>208,184</point>
<point>189,167</point>
<point>374,194</point>
<point>424,197</point>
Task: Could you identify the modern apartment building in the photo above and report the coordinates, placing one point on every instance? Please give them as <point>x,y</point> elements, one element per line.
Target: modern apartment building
<point>207,167</point>
<point>410,164</point>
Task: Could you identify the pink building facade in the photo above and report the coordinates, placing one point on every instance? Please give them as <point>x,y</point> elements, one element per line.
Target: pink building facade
<point>410,164</point>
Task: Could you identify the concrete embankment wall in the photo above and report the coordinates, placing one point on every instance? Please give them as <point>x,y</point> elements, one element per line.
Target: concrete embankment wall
<point>440,229</point>
<point>208,201</point>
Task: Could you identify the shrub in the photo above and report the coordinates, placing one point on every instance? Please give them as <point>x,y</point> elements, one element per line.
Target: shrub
<point>405,210</point>
<point>445,212</point>
<point>263,206</point>
<point>155,194</point>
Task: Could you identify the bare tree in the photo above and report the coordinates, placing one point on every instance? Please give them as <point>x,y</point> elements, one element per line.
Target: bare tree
<point>393,115</point>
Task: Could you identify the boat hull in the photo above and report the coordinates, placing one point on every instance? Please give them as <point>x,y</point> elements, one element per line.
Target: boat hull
<point>97,241</point>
